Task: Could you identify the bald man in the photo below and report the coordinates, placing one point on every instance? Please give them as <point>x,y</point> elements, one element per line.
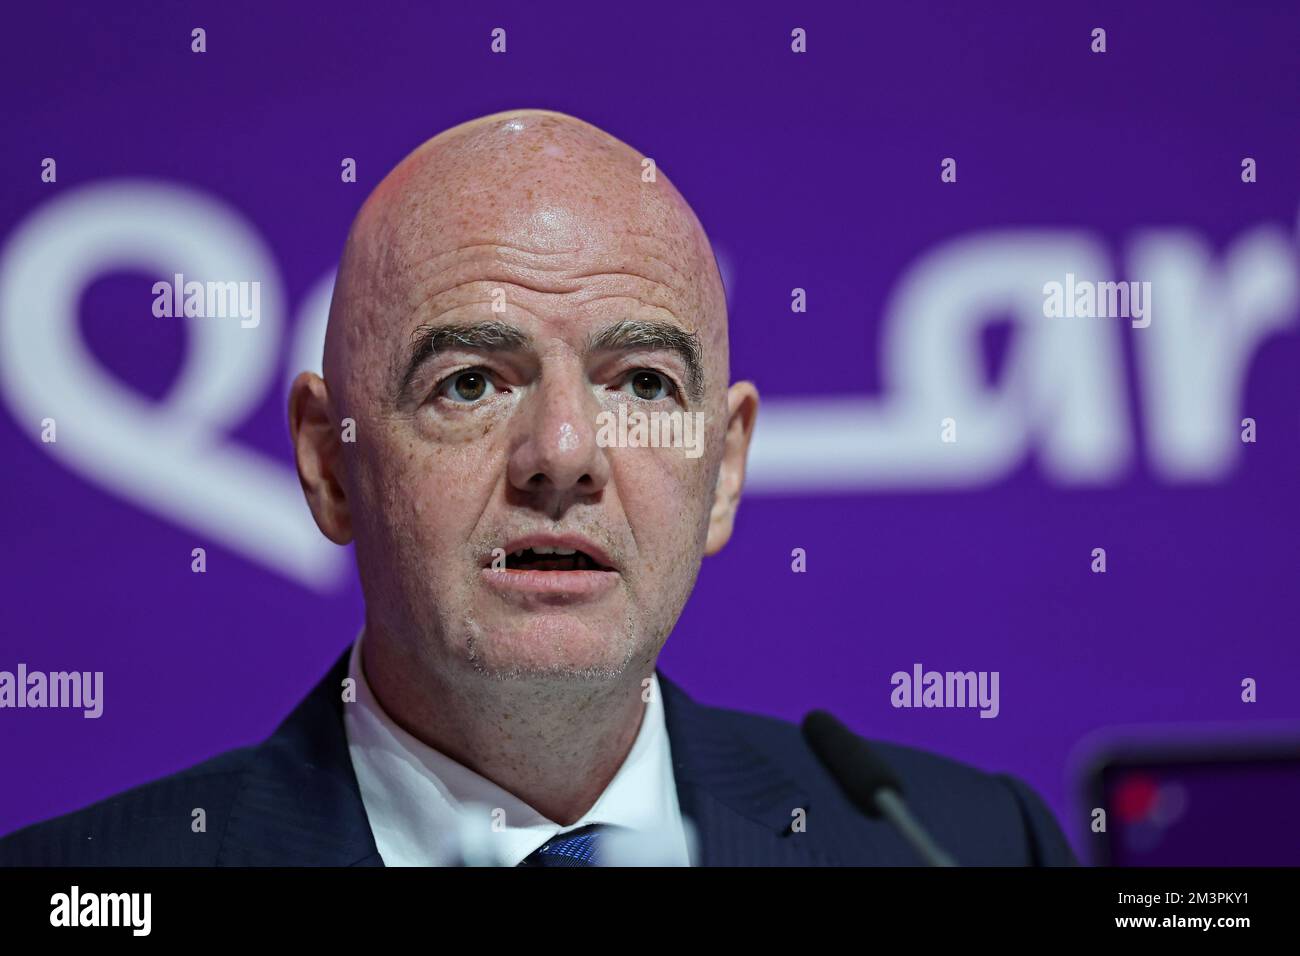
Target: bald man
<point>527,427</point>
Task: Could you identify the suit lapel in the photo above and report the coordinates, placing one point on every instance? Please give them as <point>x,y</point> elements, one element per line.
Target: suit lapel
<point>299,803</point>
<point>740,803</point>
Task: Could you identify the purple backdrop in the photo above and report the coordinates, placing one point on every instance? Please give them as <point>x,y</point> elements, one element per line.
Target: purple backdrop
<point>818,171</point>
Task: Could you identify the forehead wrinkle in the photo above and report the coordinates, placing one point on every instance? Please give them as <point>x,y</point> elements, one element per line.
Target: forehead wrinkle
<point>651,239</point>
<point>497,247</point>
<point>433,272</point>
<point>676,319</point>
<point>431,281</point>
<point>592,261</point>
<point>622,273</point>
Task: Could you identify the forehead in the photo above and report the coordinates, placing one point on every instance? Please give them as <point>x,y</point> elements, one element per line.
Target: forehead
<point>552,281</point>
<point>541,199</point>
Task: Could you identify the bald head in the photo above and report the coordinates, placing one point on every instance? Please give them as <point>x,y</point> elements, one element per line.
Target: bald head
<point>527,199</point>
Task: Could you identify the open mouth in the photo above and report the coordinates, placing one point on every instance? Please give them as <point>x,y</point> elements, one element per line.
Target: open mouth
<point>533,576</point>
<point>541,558</point>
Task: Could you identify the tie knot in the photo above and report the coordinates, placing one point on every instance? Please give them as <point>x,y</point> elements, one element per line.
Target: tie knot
<point>575,848</point>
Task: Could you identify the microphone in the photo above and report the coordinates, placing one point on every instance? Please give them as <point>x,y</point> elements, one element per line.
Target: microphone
<point>868,781</point>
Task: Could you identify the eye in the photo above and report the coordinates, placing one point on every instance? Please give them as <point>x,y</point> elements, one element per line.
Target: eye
<point>650,386</point>
<point>466,387</point>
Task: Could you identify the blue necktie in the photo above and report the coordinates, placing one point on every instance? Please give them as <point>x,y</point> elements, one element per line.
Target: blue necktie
<point>575,848</point>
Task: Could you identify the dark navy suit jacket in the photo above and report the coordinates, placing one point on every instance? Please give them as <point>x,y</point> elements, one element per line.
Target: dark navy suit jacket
<point>293,800</point>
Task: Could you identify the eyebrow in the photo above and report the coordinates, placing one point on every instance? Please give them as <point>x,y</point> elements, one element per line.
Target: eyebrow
<point>428,340</point>
<point>494,336</point>
<point>643,334</point>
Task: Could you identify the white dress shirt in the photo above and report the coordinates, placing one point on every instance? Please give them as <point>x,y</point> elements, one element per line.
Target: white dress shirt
<point>426,809</point>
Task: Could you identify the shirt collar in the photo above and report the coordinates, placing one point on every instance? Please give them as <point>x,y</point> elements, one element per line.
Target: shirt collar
<point>426,809</point>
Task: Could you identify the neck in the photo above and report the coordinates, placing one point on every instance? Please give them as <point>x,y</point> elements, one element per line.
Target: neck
<point>554,743</point>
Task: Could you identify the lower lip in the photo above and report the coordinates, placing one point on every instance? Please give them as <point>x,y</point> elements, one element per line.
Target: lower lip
<point>552,585</point>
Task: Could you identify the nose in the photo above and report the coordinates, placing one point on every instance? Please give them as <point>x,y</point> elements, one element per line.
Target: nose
<point>558,454</point>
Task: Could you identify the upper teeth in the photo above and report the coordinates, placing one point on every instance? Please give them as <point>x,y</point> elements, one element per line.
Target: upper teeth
<point>542,549</point>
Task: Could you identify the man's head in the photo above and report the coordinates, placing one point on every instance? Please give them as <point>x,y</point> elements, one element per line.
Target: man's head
<point>511,280</point>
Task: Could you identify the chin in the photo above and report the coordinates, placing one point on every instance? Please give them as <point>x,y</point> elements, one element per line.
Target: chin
<point>559,644</point>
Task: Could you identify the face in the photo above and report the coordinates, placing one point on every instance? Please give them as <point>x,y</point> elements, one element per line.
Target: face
<point>506,300</point>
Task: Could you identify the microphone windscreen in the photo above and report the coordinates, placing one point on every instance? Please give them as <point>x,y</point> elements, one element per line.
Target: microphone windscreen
<point>850,760</point>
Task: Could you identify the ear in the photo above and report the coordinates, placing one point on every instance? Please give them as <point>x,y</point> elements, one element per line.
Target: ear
<point>742,409</point>
<point>318,452</point>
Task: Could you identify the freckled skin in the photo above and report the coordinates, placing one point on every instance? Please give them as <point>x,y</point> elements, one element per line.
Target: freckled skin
<point>554,212</point>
